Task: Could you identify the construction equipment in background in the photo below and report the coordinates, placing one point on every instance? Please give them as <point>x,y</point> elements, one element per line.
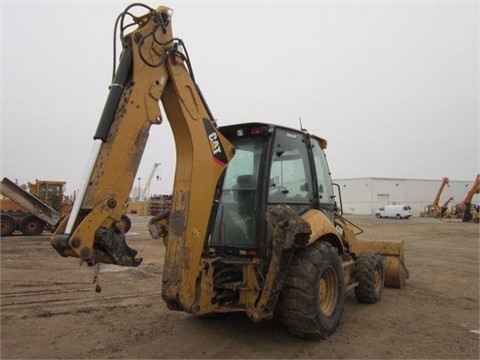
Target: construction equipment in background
<point>140,206</point>
<point>136,208</point>
<point>35,211</point>
<point>253,226</point>
<point>434,210</point>
<point>469,210</point>
<point>466,210</point>
<point>444,207</point>
<point>475,213</point>
<point>40,209</point>
<point>146,189</point>
<point>158,204</point>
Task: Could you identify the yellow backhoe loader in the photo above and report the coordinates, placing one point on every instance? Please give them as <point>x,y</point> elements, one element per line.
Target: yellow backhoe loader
<point>253,227</point>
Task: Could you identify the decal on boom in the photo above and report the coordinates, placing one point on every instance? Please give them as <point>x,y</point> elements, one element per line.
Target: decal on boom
<point>218,152</point>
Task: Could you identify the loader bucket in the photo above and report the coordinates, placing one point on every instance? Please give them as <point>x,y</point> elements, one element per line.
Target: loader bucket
<point>396,272</point>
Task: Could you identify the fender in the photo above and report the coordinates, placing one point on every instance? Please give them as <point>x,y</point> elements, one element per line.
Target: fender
<point>322,227</point>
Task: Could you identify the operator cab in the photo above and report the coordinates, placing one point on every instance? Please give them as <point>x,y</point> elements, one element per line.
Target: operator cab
<point>272,165</point>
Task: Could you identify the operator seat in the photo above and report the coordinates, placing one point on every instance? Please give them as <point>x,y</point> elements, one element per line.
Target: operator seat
<point>245,194</point>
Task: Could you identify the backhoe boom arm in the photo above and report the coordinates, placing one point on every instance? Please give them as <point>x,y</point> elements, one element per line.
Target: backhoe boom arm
<point>152,69</point>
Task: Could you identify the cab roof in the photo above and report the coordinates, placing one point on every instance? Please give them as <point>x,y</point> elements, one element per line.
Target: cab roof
<point>271,128</point>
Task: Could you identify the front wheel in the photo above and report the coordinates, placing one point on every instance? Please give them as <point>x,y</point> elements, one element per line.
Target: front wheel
<point>8,225</point>
<point>370,275</point>
<point>313,297</point>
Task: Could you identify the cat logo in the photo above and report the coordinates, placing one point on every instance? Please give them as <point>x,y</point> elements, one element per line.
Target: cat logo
<point>216,149</point>
<point>215,144</point>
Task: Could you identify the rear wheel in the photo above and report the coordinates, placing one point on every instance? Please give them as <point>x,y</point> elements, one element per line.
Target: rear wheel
<point>31,226</point>
<point>8,225</point>
<point>370,275</point>
<point>313,297</point>
<point>399,216</point>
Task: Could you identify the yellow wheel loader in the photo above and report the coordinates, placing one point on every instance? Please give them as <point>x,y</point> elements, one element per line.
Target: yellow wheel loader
<point>253,226</point>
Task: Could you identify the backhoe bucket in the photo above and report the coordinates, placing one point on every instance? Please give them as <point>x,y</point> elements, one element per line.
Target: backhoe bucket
<point>396,272</point>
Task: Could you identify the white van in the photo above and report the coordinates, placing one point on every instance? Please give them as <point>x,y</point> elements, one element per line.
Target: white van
<point>394,211</point>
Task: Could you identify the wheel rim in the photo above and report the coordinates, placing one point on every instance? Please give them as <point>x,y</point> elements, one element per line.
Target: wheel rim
<point>328,291</point>
<point>32,226</point>
<point>8,226</point>
<point>377,278</point>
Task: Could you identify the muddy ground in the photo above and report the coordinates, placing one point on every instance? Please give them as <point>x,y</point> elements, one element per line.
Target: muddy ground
<point>49,307</point>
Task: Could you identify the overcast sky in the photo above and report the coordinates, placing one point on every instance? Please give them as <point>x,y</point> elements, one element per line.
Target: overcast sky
<point>392,85</point>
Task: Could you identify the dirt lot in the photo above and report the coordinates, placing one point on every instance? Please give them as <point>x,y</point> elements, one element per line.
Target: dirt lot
<point>49,308</point>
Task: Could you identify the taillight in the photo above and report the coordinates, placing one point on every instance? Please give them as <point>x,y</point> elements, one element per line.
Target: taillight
<point>256,131</point>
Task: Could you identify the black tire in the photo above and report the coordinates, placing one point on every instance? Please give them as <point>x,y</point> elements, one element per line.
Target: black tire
<point>370,275</point>
<point>124,223</point>
<point>8,225</point>
<point>313,297</point>
<point>378,216</point>
<point>399,216</point>
<point>31,226</point>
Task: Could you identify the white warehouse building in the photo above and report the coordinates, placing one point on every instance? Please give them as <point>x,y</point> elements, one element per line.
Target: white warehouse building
<point>363,196</point>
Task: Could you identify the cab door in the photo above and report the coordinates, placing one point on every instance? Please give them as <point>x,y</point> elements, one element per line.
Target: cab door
<point>290,178</point>
<point>323,182</point>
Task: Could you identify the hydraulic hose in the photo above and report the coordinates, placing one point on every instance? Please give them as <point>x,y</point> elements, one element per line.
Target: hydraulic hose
<point>114,95</point>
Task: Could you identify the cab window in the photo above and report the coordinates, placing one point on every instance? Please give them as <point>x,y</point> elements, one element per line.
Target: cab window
<point>325,189</point>
<point>290,179</point>
<point>237,213</point>
<point>326,197</point>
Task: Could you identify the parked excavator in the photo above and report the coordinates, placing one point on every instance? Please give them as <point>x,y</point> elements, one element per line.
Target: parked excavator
<point>465,210</point>
<point>434,210</point>
<point>254,226</point>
